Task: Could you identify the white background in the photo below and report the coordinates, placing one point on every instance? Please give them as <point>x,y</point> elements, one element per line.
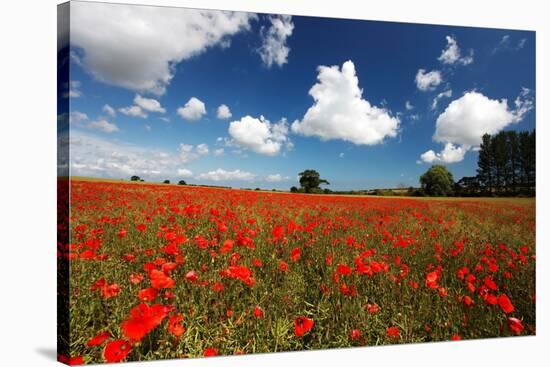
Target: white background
<point>28,181</point>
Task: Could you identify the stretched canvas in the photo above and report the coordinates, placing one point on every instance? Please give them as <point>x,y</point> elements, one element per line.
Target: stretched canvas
<point>238,183</point>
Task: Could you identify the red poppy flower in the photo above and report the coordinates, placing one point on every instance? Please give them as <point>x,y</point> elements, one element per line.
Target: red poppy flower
<point>141,227</point>
<point>129,257</point>
<point>283,266</point>
<point>210,352</point>
<point>73,361</point>
<point>505,303</point>
<point>217,287</point>
<point>467,300</point>
<point>98,284</point>
<point>258,312</point>
<point>392,332</point>
<point>191,276</point>
<point>239,272</point>
<point>432,280</point>
<point>490,284</point>
<point>136,278</point>
<point>372,309</point>
<point>116,351</point>
<point>110,290</point>
<point>491,299</point>
<point>175,325</point>
<point>122,233</point>
<point>515,325</point>
<point>227,246</point>
<point>160,280</point>
<point>355,334</point>
<point>98,339</point>
<point>302,325</point>
<point>142,320</point>
<point>343,269</point>
<point>257,263</point>
<point>456,337</point>
<point>295,254</point>
<point>168,267</point>
<point>147,294</point>
<point>278,232</point>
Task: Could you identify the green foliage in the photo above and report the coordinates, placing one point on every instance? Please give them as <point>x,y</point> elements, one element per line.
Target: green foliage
<point>507,164</point>
<point>294,189</point>
<point>182,182</point>
<point>437,181</point>
<point>166,181</point>
<point>135,178</point>
<point>310,180</point>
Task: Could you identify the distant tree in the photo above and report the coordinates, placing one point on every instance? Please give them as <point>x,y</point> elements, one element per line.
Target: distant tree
<point>327,191</point>
<point>293,189</point>
<point>527,148</point>
<point>500,160</point>
<point>467,186</point>
<point>507,163</point>
<point>135,178</point>
<point>437,181</point>
<point>412,191</point>
<point>182,182</point>
<point>512,162</point>
<point>257,189</point>
<point>485,164</point>
<point>141,180</point>
<point>166,181</point>
<point>310,180</point>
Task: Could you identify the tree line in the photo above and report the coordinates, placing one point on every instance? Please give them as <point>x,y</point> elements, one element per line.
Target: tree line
<point>506,166</point>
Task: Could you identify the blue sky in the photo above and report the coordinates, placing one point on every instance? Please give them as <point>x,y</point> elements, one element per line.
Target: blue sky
<point>148,63</point>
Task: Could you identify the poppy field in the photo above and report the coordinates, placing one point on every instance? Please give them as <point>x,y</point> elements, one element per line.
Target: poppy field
<point>166,271</point>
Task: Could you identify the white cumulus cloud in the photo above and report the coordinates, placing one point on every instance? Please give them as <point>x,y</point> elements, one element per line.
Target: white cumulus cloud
<point>103,125</point>
<point>148,104</point>
<point>73,89</point>
<point>224,112</point>
<point>223,175</point>
<point>426,81</point>
<point>109,110</point>
<point>259,135</point>
<point>274,49</point>
<point>76,117</point>
<point>340,112</point>
<point>134,111</point>
<point>440,96</point>
<point>466,119</point>
<point>277,177</point>
<point>80,119</point>
<point>136,47</point>
<point>185,173</point>
<point>99,157</point>
<point>452,54</point>
<point>202,149</point>
<point>193,110</point>
<point>189,153</point>
<point>449,154</point>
